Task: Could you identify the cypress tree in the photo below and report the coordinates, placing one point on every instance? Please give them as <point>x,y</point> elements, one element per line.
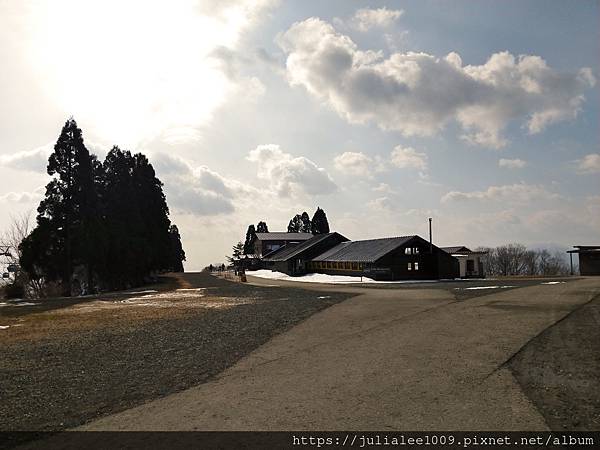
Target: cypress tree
<point>110,218</point>
<point>320,225</point>
<point>250,238</point>
<point>67,216</point>
<point>177,253</point>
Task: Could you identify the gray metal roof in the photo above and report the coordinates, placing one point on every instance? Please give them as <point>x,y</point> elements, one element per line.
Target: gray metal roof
<point>457,249</point>
<point>290,252</point>
<point>283,236</point>
<point>363,251</point>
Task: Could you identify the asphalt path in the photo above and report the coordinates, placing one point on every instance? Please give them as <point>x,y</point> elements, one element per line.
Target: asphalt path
<point>403,358</point>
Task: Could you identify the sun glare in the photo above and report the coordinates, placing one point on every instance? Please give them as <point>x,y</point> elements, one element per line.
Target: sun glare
<point>135,70</point>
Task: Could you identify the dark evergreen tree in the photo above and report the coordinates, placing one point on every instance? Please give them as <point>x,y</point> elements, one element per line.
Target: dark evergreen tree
<point>110,219</point>
<point>177,253</point>
<point>123,220</point>
<point>262,227</point>
<point>154,214</point>
<point>320,225</point>
<point>306,226</point>
<point>250,239</point>
<point>67,216</point>
<point>295,224</point>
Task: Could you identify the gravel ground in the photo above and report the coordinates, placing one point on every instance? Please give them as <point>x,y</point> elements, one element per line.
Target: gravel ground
<point>559,371</point>
<point>61,367</point>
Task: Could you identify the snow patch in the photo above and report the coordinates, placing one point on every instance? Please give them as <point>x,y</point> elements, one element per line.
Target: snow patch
<point>26,304</point>
<point>4,327</point>
<point>554,282</point>
<point>190,289</point>
<point>486,287</point>
<point>149,291</point>
<point>323,278</point>
<point>324,296</point>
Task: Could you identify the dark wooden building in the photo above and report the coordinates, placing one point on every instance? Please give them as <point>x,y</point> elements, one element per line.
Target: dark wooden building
<point>397,258</point>
<point>267,243</point>
<point>292,259</point>
<point>589,259</point>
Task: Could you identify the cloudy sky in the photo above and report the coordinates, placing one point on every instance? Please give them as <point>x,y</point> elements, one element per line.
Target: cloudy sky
<point>483,115</point>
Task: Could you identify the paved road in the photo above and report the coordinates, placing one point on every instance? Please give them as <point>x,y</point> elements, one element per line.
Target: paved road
<point>398,359</point>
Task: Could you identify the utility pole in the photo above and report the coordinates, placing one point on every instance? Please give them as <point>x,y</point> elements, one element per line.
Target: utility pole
<point>430,237</point>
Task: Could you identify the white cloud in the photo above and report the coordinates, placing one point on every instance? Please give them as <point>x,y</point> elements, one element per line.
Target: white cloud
<point>364,19</point>
<point>30,160</point>
<point>515,193</point>
<point>23,197</point>
<point>419,94</point>
<point>512,163</point>
<point>197,190</point>
<point>589,163</point>
<point>384,188</point>
<point>288,175</point>
<point>357,163</point>
<point>408,157</point>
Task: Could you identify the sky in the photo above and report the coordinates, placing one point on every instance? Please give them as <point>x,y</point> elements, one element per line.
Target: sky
<point>482,115</point>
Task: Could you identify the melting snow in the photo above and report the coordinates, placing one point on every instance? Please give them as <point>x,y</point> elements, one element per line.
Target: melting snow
<point>149,291</point>
<point>26,304</point>
<point>4,327</point>
<point>323,278</point>
<point>486,287</point>
<point>324,296</point>
<point>554,282</point>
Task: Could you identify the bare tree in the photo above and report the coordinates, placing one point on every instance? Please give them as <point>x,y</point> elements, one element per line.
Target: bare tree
<point>18,229</point>
<point>530,262</point>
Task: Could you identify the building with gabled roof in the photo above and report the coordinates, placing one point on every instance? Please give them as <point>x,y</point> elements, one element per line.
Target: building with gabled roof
<point>395,258</point>
<point>471,263</point>
<point>266,243</point>
<point>292,259</point>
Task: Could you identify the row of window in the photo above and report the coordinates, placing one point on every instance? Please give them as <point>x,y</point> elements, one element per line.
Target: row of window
<point>335,265</point>
<point>411,251</point>
<point>348,265</point>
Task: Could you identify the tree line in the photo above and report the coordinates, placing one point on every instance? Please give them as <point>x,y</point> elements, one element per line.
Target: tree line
<point>517,259</point>
<point>101,225</point>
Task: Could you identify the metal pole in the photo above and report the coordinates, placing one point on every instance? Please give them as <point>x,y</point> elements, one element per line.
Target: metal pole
<point>430,237</point>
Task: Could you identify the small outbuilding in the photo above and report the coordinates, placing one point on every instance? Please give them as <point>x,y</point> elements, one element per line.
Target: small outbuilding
<point>471,263</point>
<point>589,259</point>
<point>395,258</point>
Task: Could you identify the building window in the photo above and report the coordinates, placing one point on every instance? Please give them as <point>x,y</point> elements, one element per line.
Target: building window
<point>354,266</point>
<point>409,266</point>
<point>416,266</point>
<point>361,266</point>
<point>348,266</point>
<point>408,251</point>
<point>416,251</point>
<point>328,264</point>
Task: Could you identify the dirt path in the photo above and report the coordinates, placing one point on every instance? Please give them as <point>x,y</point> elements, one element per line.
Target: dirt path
<point>402,359</point>
<point>64,362</point>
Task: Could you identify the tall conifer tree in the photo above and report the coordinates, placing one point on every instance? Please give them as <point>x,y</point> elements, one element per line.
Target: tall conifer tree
<point>320,225</point>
